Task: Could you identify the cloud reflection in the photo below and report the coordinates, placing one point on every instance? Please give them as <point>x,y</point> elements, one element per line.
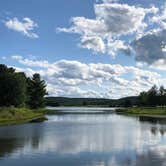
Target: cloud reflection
<point>90,140</point>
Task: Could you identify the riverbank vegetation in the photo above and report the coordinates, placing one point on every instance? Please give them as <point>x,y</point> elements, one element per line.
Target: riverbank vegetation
<point>20,94</point>
<point>150,111</point>
<point>13,115</point>
<point>152,102</point>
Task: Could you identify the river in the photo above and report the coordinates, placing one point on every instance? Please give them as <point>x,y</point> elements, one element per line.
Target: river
<point>84,140</point>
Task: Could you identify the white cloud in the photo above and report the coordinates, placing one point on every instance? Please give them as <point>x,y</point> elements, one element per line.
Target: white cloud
<point>120,19</point>
<point>159,64</point>
<point>73,78</point>
<point>160,18</point>
<point>93,43</point>
<point>118,45</point>
<point>26,26</point>
<point>119,27</point>
<point>30,62</point>
<point>112,21</point>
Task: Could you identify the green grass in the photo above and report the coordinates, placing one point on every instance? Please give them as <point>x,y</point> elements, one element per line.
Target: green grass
<point>160,111</point>
<point>12,115</point>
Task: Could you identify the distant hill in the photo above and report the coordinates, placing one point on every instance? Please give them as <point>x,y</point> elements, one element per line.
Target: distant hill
<point>64,101</point>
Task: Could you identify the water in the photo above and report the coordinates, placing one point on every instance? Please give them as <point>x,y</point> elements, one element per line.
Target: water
<point>83,109</point>
<point>84,140</point>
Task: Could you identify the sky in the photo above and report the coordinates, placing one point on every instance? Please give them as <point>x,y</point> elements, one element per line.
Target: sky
<point>86,48</point>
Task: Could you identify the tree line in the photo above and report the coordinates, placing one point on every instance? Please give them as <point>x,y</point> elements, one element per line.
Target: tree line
<point>16,89</point>
<point>153,97</point>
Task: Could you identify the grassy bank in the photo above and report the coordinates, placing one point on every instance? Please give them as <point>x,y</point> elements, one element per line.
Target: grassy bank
<point>11,115</point>
<point>154,111</point>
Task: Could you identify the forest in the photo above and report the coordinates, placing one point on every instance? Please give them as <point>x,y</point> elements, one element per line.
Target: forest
<point>18,90</point>
<point>151,98</point>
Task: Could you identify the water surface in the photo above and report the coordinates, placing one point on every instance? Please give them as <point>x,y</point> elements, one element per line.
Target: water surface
<point>84,140</point>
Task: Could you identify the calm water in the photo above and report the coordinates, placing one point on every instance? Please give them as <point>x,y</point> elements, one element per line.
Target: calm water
<point>84,140</point>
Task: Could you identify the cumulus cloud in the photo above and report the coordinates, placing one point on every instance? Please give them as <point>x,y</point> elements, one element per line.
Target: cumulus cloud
<point>120,19</point>
<point>160,18</point>
<point>123,28</point>
<point>26,26</point>
<point>30,62</point>
<point>150,48</point>
<point>73,78</point>
<point>93,43</point>
<point>112,21</point>
<point>118,46</point>
<point>159,64</point>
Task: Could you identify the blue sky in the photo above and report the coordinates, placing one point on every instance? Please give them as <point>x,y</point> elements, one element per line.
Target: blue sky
<point>89,48</point>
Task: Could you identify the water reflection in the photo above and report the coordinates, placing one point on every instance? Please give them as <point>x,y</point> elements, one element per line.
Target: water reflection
<point>158,130</point>
<point>8,146</point>
<point>15,138</point>
<point>84,140</point>
<point>154,120</point>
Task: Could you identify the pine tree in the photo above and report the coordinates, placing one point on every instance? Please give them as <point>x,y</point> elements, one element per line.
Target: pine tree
<point>162,96</point>
<point>36,92</point>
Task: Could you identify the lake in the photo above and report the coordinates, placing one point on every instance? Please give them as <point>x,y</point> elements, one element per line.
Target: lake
<point>84,140</point>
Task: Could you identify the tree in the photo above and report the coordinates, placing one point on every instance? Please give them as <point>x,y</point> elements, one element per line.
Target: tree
<point>12,87</point>
<point>153,96</point>
<point>84,103</point>
<point>162,91</point>
<point>143,97</point>
<point>162,95</point>
<point>128,103</point>
<point>36,91</point>
<point>4,69</point>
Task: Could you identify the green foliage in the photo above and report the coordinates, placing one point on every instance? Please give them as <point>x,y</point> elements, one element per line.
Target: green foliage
<point>12,115</point>
<point>18,90</point>
<point>143,111</point>
<point>36,92</point>
<point>128,103</point>
<point>63,101</point>
<point>143,97</point>
<point>92,102</point>
<point>153,97</point>
<point>12,87</point>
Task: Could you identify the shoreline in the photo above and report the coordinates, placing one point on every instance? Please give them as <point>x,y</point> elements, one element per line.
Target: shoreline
<point>22,121</point>
<point>159,113</point>
<point>13,116</point>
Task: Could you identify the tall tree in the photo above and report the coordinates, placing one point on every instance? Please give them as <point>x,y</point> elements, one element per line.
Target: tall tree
<point>162,96</point>
<point>153,96</point>
<point>36,91</point>
<point>143,98</point>
<point>12,87</point>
